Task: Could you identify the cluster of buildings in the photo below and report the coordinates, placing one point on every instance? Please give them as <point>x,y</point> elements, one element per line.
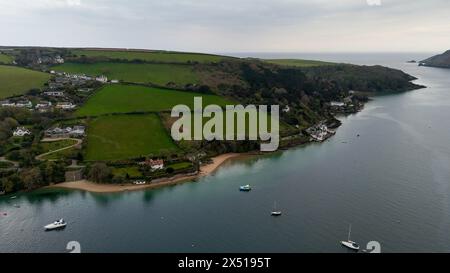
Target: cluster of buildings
<point>153,164</point>
<point>41,106</point>
<point>77,131</point>
<point>50,60</point>
<point>18,103</point>
<point>320,132</point>
<point>77,79</point>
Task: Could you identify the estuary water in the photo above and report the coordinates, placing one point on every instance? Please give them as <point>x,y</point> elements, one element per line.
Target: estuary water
<point>391,183</point>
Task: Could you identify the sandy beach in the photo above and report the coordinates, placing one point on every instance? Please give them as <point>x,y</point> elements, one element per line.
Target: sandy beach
<point>110,188</point>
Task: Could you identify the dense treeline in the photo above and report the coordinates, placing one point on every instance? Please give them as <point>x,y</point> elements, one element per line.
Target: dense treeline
<point>306,91</point>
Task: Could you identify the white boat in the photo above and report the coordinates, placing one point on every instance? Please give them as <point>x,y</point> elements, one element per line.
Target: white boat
<point>245,188</point>
<point>56,225</point>
<point>275,212</point>
<point>349,243</point>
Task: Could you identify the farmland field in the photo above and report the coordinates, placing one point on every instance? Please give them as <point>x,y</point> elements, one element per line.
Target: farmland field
<point>126,136</point>
<point>127,98</point>
<point>160,74</point>
<point>298,63</point>
<point>157,56</point>
<point>17,81</point>
<point>6,59</point>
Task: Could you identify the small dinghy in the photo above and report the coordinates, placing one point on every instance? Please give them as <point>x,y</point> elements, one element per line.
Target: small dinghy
<point>275,212</point>
<point>245,188</point>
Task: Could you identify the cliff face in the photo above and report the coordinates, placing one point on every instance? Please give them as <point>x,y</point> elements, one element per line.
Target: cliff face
<point>442,60</point>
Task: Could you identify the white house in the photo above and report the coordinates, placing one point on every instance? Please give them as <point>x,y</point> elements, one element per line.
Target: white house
<point>54,93</point>
<point>102,79</point>
<point>7,104</point>
<point>78,131</point>
<point>154,164</point>
<point>43,104</point>
<point>24,104</point>
<point>337,104</point>
<point>59,60</point>
<point>65,105</point>
<point>21,131</point>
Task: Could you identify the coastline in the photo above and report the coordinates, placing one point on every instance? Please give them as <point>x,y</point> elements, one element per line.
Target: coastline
<point>205,170</point>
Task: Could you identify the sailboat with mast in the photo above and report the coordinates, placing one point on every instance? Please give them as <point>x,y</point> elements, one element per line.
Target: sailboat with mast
<point>275,212</point>
<point>349,243</point>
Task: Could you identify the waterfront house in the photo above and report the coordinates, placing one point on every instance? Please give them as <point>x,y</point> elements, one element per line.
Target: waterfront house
<point>337,104</point>
<point>154,164</point>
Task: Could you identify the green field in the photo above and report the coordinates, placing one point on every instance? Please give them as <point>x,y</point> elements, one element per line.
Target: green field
<point>6,59</point>
<point>160,74</point>
<point>16,81</point>
<point>298,63</point>
<point>120,137</point>
<point>157,56</point>
<point>128,98</point>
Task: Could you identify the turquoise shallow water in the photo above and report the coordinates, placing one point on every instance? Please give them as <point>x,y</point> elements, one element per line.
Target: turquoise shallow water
<point>391,183</point>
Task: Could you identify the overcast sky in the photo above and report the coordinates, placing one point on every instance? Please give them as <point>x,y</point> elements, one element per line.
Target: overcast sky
<point>230,25</point>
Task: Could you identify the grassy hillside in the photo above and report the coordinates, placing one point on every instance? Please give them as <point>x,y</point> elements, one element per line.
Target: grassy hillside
<point>5,59</point>
<point>128,98</point>
<point>126,136</point>
<point>17,81</point>
<point>298,63</point>
<point>160,74</point>
<point>441,60</point>
<point>156,56</point>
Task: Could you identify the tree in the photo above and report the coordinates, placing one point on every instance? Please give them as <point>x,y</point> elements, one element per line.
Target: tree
<point>99,173</point>
<point>118,179</point>
<point>32,178</point>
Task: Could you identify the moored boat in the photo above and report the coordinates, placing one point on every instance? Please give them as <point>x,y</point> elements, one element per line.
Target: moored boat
<point>56,225</point>
<point>349,243</point>
<point>245,188</point>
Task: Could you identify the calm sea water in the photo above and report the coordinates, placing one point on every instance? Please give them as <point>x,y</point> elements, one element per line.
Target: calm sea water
<point>391,183</point>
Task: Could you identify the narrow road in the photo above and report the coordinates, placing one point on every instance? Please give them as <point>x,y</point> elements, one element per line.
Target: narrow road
<point>14,163</point>
<point>79,141</point>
